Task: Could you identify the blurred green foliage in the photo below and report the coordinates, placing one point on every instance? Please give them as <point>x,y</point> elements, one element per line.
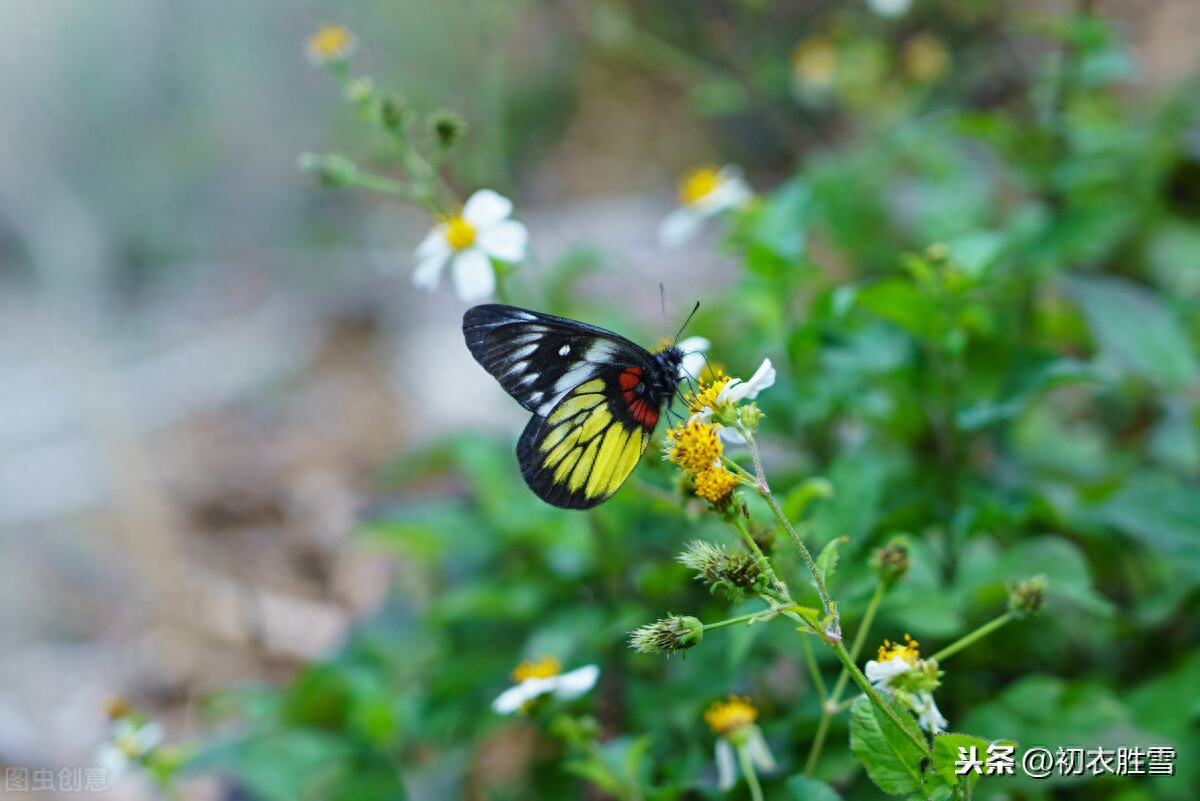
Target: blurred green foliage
<point>983,307</point>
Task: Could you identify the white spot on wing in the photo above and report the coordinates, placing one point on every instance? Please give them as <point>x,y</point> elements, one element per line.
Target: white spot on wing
<point>573,377</point>
<point>536,397</point>
<point>524,339</point>
<point>521,353</point>
<point>564,350</point>
<point>599,352</point>
<point>529,379</point>
<point>519,367</point>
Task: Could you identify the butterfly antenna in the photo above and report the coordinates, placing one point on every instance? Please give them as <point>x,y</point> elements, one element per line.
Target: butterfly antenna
<point>695,309</point>
<point>662,295</point>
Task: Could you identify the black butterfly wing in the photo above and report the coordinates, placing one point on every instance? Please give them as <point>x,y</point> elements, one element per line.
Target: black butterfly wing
<point>595,398</point>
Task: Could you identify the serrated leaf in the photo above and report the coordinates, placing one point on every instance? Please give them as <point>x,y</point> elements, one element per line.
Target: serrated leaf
<point>827,561</point>
<point>892,760</point>
<point>946,756</point>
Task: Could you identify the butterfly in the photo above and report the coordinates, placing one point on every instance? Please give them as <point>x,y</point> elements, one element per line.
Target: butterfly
<point>595,396</point>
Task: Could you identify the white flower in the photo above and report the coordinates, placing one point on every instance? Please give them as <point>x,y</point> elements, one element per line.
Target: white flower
<point>469,242</point>
<point>693,356</point>
<point>726,756</point>
<point>128,745</point>
<point>564,687</point>
<point>704,192</point>
<point>910,680</point>
<point>889,8</point>
<point>734,392</point>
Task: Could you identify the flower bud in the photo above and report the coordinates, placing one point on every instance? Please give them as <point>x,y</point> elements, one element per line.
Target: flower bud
<point>447,128</point>
<point>736,572</point>
<point>750,416</point>
<point>1028,597</point>
<point>393,112</point>
<point>331,170</point>
<point>890,562</point>
<point>674,633</point>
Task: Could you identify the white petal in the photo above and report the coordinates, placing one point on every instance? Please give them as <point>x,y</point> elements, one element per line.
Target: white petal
<point>485,208</point>
<point>513,698</point>
<point>112,760</point>
<point>505,240</point>
<point>726,765</point>
<point>429,270</point>
<point>148,737</point>
<point>759,753</point>
<point>679,226</point>
<point>693,345</point>
<point>930,717</point>
<point>731,192</point>
<point>730,435</point>
<point>577,682</point>
<point>889,8</point>
<point>763,377</point>
<point>474,278</point>
<point>878,672</point>
<point>433,243</point>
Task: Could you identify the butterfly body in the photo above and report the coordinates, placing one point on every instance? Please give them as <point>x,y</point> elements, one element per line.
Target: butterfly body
<point>595,397</point>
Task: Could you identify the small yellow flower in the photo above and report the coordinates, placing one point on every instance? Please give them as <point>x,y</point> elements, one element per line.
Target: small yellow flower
<point>704,192</point>
<point>733,723</point>
<point>331,43</point>
<point>925,58</point>
<point>706,396</point>
<point>542,677</point>
<point>908,651</point>
<point>695,446</point>
<point>715,485</point>
<point>729,717</point>
<point>543,668</point>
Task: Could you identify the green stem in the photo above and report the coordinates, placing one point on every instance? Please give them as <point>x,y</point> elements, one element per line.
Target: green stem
<point>810,656</point>
<point>822,590</point>
<point>748,772</point>
<point>765,614</point>
<point>860,637</point>
<point>970,639</point>
<point>830,706</point>
<point>877,699</point>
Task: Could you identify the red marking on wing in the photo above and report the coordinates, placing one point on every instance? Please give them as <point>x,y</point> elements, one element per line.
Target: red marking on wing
<point>630,377</point>
<point>643,413</point>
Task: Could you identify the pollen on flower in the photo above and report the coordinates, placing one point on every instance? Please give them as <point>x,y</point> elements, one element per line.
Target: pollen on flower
<point>715,485</point>
<point>459,233</point>
<point>906,651</point>
<point>706,397</point>
<point>698,183</point>
<point>696,446</point>
<point>726,717</point>
<point>544,668</point>
<point>331,43</point>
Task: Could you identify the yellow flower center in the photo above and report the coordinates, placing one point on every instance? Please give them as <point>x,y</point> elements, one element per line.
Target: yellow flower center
<point>727,717</point>
<point>815,62</point>
<point>908,651</point>
<point>707,396</point>
<point>696,446</point>
<point>460,234</point>
<point>698,184</point>
<point>544,668</point>
<point>331,42</point>
<point>715,485</point>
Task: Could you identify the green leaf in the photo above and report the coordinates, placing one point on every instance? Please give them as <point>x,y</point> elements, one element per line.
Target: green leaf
<point>897,300</point>
<point>1029,387</point>
<point>1157,509</point>
<point>946,755</point>
<point>892,760</point>
<point>1135,331</point>
<point>827,561</point>
<point>797,501</point>
<point>806,788</point>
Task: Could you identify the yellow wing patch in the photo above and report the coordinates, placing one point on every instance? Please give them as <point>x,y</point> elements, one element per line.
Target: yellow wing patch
<point>588,449</point>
